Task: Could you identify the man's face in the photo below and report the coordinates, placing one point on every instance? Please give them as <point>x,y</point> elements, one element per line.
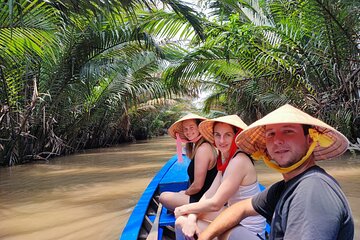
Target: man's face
<point>286,143</point>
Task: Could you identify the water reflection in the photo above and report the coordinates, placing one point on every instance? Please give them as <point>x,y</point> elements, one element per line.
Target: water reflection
<point>91,195</point>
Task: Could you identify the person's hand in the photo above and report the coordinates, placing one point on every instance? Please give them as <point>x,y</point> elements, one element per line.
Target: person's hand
<point>180,211</point>
<point>190,230</point>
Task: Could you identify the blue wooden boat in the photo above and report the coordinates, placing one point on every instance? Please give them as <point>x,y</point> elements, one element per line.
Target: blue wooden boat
<point>149,219</point>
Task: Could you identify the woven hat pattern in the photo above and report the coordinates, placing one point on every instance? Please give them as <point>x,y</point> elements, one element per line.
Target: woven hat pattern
<point>177,127</point>
<point>252,138</point>
<point>206,127</point>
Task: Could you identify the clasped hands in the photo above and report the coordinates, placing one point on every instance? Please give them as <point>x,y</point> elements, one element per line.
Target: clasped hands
<point>188,227</point>
<point>187,222</point>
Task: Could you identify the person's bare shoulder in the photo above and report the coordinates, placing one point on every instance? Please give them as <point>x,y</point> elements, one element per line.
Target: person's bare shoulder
<point>242,159</point>
<point>205,149</point>
<point>243,162</point>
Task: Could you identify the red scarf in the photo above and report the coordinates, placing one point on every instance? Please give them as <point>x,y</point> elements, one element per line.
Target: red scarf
<point>233,148</point>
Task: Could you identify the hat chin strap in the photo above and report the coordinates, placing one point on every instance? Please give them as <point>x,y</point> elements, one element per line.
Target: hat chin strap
<point>322,139</point>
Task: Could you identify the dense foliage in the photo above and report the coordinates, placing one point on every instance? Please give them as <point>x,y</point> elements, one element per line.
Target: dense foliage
<point>259,55</point>
<point>73,72</point>
<point>84,74</point>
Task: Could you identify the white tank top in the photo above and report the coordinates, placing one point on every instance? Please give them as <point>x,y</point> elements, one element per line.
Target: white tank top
<point>257,223</point>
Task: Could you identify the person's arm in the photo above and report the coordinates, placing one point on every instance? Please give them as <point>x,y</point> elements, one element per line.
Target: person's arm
<point>179,211</point>
<point>228,218</point>
<point>187,223</point>
<point>204,156</point>
<point>232,179</point>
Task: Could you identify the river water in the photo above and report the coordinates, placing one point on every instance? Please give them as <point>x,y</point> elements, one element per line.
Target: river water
<point>90,195</point>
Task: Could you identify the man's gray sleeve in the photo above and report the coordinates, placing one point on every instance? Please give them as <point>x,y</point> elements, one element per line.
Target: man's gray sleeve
<point>265,202</point>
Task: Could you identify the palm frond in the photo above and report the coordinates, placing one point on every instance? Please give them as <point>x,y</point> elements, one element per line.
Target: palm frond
<point>166,25</point>
<point>189,14</point>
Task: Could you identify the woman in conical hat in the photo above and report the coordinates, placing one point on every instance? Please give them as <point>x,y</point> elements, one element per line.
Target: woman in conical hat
<point>308,203</point>
<point>202,168</point>
<point>236,180</point>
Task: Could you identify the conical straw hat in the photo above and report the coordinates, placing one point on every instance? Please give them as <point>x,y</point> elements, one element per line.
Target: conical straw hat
<point>177,127</point>
<point>252,138</point>
<point>206,127</point>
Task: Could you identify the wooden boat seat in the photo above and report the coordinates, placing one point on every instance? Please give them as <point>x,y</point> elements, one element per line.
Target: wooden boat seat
<point>176,178</point>
<point>166,222</point>
<point>166,218</point>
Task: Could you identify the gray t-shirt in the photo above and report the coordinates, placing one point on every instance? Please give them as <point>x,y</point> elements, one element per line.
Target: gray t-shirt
<point>309,206</point>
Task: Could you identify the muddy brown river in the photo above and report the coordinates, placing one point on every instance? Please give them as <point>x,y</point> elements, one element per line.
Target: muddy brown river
<point>90,195</point>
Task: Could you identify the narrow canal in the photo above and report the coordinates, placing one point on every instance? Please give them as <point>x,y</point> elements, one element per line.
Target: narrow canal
<point>90,195</point>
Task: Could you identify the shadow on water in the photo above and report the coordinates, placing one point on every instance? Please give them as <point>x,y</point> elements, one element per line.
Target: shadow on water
<point>91,195</point>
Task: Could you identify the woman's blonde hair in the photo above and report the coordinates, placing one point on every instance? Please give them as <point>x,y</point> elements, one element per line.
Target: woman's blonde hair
<point>191,148</point>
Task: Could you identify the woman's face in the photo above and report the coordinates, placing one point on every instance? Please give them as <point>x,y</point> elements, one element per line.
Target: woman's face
<point>190,129</point>
<point>223,136</point>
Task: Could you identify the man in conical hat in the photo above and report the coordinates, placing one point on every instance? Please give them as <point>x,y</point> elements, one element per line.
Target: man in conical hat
<point>308,203</point>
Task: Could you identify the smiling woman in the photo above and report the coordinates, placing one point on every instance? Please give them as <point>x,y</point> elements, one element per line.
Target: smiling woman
<point>202,167</point>
<point>235,181</point>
